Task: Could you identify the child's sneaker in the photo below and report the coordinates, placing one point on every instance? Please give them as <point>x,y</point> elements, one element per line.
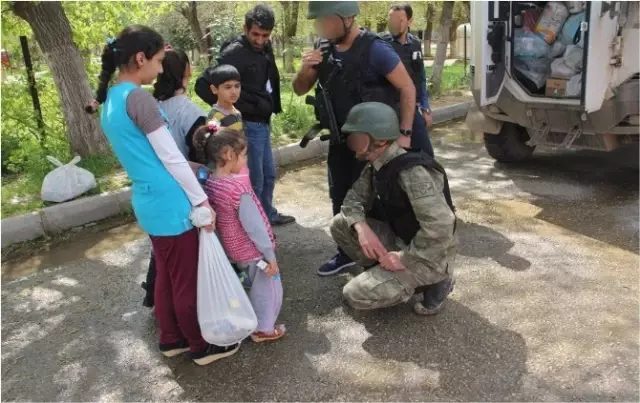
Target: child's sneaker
<point>214,353</point>
<point>278,332</point>
<point>173,349</point>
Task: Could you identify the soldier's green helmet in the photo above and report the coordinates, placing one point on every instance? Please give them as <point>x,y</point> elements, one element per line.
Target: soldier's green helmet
<point>375,118</point>
<point>319,9</point>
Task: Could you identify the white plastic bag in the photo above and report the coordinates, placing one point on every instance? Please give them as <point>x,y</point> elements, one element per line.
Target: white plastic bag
<point>225,313</point>
<point>528,44</point>
<point>568,65</point>
<point>575,6</point>
<point>66,182</point>
<point>557,49</point>
<point>574,86</point>
<point>554,15</point>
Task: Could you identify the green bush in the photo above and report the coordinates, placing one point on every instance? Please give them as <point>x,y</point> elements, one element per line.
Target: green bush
<point>24,145</point>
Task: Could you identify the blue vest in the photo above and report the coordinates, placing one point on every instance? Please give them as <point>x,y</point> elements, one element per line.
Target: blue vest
<point>159,203</point>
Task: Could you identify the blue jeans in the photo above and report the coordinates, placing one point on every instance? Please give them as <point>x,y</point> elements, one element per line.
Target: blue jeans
<point>420,136</point>
<point>262,168</point>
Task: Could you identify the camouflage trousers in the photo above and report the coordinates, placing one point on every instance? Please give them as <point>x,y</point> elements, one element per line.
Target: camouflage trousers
<point>376,287</point>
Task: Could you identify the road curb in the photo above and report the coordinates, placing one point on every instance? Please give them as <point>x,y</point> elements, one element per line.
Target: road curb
<point>64,216</point>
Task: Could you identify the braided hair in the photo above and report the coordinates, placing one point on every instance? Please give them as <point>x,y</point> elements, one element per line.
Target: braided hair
<point>120,51</point>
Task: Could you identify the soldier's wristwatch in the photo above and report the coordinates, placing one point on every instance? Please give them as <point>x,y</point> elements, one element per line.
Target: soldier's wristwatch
<point>406,132</point>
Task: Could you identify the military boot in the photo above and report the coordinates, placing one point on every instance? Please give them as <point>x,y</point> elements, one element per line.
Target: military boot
<point>435,296</point>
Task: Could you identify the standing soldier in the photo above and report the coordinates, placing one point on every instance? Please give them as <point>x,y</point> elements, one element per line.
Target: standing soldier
<point>407,243</point>
<point>410,51</point>
<point>351,66</point>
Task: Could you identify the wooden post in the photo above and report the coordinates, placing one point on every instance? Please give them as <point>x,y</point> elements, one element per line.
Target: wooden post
<point>31,78</point>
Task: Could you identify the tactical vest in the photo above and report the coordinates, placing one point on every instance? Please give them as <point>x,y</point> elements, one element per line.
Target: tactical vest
<point>392,203</point>
<point>341,76</point>
<point>410,55</point>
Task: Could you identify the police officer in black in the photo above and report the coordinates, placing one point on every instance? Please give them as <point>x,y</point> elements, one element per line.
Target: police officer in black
<point>409,49</point>
<point>354,66</point>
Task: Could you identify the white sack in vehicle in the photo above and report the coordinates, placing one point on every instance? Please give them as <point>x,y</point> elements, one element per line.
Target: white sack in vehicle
<point>568,65</point>
<point>553,17</point>
<point>574,86</point>
<point>558,49</point>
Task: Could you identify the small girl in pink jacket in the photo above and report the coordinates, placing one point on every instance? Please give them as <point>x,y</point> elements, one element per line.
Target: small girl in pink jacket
<point>242,225</point>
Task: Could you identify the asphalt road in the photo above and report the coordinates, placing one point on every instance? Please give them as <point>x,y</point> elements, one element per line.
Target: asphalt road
<point>545,306</point>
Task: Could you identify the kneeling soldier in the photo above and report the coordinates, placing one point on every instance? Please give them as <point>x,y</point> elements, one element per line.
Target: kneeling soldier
<point>397,221</point>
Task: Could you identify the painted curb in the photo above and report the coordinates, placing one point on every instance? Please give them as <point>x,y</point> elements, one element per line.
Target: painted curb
<point>64,216</point>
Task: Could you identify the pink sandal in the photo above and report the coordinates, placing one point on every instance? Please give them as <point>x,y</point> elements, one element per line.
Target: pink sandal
<point>278,332</point>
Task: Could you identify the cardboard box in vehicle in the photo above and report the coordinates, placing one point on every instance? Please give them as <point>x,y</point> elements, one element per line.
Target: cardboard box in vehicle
<point>556,87</point>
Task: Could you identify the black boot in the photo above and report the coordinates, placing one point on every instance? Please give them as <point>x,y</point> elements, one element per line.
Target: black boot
<point>435,296</point>
<point>150,285</point>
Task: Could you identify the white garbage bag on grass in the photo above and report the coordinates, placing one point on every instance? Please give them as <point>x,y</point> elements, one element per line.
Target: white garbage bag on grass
<point>225,313</point>
<point>66,182</point>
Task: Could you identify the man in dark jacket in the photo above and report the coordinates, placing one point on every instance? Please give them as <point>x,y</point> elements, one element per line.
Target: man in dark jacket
<point>409,49</point>
<point>251,53</point>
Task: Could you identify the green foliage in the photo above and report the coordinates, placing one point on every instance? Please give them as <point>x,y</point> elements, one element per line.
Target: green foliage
<point>24,146</point>
<point>93,22</point>
<point>453,78</point>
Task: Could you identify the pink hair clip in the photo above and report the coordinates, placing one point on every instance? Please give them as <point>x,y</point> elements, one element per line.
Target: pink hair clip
<point>213,126</point>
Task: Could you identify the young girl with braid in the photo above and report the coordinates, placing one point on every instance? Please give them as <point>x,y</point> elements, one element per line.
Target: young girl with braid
<point>242,225</point>
<point>164,187</point>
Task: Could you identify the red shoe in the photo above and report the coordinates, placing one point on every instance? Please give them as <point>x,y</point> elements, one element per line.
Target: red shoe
<point>278,332</point>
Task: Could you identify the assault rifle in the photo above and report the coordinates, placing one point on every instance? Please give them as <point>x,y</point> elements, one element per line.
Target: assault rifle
<point>323,108</point>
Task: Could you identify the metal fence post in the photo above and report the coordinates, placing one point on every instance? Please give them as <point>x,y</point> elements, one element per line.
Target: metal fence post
<point>31,78</point>
<point>465,49</point>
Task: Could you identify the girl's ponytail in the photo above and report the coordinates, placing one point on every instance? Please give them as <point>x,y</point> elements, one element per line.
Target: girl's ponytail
<point>109,65</point>
<point>120,51</point>
<point>210,141</point>
<point>200,138</point>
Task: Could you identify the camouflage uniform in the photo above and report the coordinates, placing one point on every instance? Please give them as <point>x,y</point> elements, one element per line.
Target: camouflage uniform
<point>428,256</point>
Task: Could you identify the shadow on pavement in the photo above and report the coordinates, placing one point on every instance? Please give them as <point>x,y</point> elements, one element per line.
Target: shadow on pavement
<point>475,240</point>
<point>590,193</point>
<point>470,358</point>
<point>83,335</point>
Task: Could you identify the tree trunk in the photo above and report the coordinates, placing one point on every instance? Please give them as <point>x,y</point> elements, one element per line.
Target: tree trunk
<point>381,26</point>
<point>426,37</point>
<point>441,52</point>
<point>453,35</point>
<point>52,31</point>
<point>290,9</point>
<point>190,12</point>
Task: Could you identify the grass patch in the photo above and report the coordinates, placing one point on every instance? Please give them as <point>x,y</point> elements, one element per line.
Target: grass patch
<point>453,77</point>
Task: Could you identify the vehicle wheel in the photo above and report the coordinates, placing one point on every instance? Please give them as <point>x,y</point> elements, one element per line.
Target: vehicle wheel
<point>510,145</point>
